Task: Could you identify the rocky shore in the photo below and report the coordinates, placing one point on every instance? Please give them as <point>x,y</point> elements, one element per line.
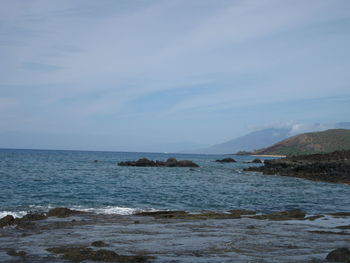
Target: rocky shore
<point>65,235</point>
<point>331,167</point>
<point>171,162</point>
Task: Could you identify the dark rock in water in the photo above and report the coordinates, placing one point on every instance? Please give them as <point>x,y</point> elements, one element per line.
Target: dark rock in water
<point>341,214</point>
<point>78,254</point>
<point>285,215</point>
<point>331,167</point>
<point>62,212</point>
<point>240,212</point>
<point>226,160</point>
<point>188,216</point>
<point>95,161</point>
<point>34,216</point>
<point>257,160</point>
<point>7,221</point>
<point>14,253</point>
<point>339,255</point>
<point>99,243</point>
<point>171,162</point>
<point>343,227</point>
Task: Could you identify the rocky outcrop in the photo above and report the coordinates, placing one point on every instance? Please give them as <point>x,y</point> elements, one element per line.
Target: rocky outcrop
<point>339,255</point>
<point>171,162</point>
<point>256,160</point>
<point>332,167</point>
<point>226,160</point>
<point>63,212</point>
<point>7,221</point>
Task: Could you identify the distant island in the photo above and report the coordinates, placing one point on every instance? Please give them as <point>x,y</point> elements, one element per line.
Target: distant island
<point>308,143</point>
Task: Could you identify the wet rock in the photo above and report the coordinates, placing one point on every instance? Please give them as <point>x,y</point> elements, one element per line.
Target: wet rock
<point>99,243</point>
<point>257,160</point>
<point>240,212</point>
<point>339,255</point>
<point>295,214</point>
<point>226,160</point>
<point>14,253</point>
<point>34,216</point>
<point>7,221</point>
<point>343,227</point>
<point>312,218</point>
<point>163,214</point>
<point>186,215</point>
<point>341,214</point>
<point>171,162</point>
<point>63,212</point>
<point>78,254</point>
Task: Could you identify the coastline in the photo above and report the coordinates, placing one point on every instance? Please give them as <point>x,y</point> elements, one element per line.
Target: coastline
<point>268,155</point>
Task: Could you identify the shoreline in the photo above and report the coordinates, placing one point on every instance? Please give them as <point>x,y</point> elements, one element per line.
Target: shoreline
<point>268,155</point>
<point>169,236</point>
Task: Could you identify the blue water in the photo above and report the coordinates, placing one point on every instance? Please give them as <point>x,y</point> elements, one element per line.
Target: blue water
<point>40,179</point>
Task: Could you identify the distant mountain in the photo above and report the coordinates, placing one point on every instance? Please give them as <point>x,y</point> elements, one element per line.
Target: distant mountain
<point>249,142</point>
<point>309,143</point>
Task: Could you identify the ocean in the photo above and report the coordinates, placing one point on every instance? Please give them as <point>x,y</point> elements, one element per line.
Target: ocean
<point>37,180</point>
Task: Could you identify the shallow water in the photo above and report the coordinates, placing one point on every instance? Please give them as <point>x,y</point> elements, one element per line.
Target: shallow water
<point>37,180</point>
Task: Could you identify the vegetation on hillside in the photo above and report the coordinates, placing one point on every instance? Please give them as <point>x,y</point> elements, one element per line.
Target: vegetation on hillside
<point>310,143</point>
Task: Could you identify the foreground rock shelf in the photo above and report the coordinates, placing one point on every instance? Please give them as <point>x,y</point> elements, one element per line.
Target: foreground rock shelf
<point>331,167</point>
<point>176,236</point>
<point>171,162</point>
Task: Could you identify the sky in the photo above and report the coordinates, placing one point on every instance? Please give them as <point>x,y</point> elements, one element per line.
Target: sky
<point>151,75</point>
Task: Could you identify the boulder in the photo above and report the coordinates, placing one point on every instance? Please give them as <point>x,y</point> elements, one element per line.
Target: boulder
<point>256,160</point>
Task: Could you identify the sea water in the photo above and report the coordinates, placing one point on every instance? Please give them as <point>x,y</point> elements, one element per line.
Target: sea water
<point>37,180</point>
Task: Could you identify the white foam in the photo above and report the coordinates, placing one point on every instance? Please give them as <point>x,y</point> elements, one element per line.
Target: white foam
<point>14,214</point>
<point>110,210</point>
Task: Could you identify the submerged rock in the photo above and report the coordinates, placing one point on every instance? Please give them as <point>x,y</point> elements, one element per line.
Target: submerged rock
<point>189,216</point>
<point>78,254</point>
<point>34,217</point>
<point>14,253</point>
<point>295,214</point>
<point>339,255</point>
<point>240,212</point>
<point>226,160</point>
<point>171,162</point>
<point>99,243</point>
<point>7,221</point>
<point>63,212</point>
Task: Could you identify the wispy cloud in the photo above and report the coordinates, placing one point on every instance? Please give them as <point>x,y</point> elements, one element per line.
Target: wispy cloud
<point>158,60</point>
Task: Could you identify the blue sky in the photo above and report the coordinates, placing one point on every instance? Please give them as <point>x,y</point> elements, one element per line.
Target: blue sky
<point>147,75</point>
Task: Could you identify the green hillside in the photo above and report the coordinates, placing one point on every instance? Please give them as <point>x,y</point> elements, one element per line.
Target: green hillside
<point>309,143</point>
